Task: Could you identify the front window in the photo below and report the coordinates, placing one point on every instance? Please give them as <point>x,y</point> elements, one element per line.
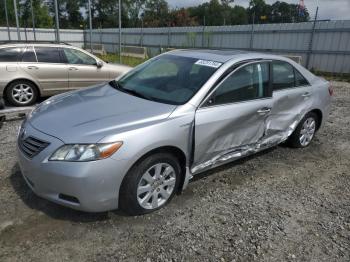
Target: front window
<point>247,83</point>
<point>78,58</point>
<point>169,79</point>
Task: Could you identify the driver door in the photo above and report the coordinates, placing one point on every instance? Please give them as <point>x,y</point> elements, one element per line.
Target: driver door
<point>83,70</point>
<point>233,116</point>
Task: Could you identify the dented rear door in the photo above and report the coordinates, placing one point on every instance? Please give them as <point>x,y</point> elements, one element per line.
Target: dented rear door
<point>292,99</point>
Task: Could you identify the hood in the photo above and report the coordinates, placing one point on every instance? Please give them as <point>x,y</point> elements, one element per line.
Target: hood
<point>86,116</point>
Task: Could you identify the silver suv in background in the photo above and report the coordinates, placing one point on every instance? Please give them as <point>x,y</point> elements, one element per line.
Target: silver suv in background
<point>31,70</point>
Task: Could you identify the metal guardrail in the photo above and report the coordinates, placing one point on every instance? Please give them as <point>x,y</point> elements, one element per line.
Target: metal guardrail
<point>12,113</point>
<point>134,51</point>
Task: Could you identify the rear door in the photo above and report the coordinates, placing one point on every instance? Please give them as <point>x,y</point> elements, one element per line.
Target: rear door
<point>291,100</point>
<point>83,69</point>
<point>233,117</point>
<point>46,66</point>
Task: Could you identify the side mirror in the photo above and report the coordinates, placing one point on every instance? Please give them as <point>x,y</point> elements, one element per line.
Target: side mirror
<point>99,64</point>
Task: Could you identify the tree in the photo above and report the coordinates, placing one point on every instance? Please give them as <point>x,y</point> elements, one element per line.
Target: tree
<point>181,17</point>
<point>156,13</point>
<point>135,9</point>
<point>258,10</point>
<point>282,12</point>
<point>41,13</point>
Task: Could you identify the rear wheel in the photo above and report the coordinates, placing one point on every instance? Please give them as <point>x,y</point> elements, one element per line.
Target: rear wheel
<point>150,184</point>
<point>305,131</point>
<point>21,93</point>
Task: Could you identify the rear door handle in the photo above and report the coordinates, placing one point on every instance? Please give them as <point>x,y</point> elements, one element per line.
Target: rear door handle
<point>264,111</point>
<point>33,67</point>
<point>73,69</point>
<point>306,94</point>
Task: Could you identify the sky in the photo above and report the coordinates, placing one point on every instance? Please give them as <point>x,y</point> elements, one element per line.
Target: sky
<point>329,9</point>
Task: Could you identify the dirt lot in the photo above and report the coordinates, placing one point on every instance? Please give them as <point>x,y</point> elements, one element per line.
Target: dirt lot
<point>281,205</point>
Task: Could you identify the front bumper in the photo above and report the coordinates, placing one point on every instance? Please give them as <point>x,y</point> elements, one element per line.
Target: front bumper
<point>87,186</point>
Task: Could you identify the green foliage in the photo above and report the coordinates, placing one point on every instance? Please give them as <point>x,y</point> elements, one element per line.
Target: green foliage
<point>126,60</point>
<point>41,13</point>
<point>149,13</point>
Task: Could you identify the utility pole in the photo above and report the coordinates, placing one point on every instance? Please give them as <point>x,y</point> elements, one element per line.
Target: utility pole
<point>57,23</point>
<point>17,23</point>
<point>311,40</point>
<point>33,19</point>
<point>90,25</point>
<point>120,31</point>
<point>7,20</point>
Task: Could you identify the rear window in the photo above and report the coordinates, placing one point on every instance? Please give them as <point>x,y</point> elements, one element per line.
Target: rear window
<point>10,54</point>
<point>48,54</point>
<point>283,75</point>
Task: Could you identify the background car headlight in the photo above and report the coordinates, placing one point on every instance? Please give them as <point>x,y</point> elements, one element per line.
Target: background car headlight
<point>85,152</point>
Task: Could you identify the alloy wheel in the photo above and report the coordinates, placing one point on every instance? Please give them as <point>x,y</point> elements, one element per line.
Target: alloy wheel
<point>307,132</point>
<point>156,186</point>
<point>22,93</point>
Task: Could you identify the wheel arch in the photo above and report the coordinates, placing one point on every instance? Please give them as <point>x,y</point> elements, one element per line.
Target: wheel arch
<point>175,151</point>
<point>319,114</point>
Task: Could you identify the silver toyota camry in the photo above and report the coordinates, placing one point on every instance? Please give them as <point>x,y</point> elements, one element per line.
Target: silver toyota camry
<point>134,143</point>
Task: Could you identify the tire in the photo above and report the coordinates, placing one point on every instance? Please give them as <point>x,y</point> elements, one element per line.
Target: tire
<point>2,120</point>
<point>157,192</point>
<point>22,93</point>
<point>308,127</point>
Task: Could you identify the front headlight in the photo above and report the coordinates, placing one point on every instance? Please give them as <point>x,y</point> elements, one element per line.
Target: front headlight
<point>85,152</point>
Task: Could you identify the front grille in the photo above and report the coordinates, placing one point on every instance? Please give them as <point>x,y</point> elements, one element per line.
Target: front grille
<point>31,146</point>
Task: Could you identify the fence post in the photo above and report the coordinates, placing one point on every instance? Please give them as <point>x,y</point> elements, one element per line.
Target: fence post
<point>120,30</point>
<point>33,19</point>
<point>90,25</point>
<point>203,32</point>
<point>309,51</point>
<point>7,20</point>
<point>169,37</point>
<point>251,45</point>
<point>17,22</point>
<point>57,23</point>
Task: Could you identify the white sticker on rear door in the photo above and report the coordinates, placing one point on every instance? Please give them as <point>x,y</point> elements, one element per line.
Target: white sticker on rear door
<point>208,63</point>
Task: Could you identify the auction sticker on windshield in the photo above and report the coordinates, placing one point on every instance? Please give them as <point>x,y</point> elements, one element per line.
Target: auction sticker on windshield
<point>208,63</point>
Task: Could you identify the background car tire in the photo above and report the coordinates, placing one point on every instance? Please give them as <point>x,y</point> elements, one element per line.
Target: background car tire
<point>22,90</point>
<point>128,197</point>
<point>295,139</point>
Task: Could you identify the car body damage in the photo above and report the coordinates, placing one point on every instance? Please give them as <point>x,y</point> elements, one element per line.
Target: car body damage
<point>228,133</point>
<point>164,122</point>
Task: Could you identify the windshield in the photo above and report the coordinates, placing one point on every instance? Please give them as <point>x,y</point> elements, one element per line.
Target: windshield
<point>168,79</point>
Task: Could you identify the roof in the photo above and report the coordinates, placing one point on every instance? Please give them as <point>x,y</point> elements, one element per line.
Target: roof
<point>21,43</point>
<point>215,55</point>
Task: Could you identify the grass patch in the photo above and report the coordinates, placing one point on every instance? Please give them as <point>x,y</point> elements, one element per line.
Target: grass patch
<point>343,77</point>
<point>126,60</point>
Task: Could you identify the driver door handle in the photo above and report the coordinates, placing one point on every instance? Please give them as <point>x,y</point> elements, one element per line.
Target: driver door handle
<point>32,67</point>
<point>264,111</point>
<point>73,69</point>
<point>306,94</point>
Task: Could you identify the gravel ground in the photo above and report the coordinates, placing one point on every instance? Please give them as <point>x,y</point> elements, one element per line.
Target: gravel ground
<point>280,205</point>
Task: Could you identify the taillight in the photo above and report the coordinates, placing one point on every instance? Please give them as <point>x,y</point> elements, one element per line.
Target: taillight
<point>331,90</point>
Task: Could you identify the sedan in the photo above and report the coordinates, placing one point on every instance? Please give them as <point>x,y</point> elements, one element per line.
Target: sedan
<point>135,142</point>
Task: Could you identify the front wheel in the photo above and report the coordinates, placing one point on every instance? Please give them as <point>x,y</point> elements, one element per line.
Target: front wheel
<point>305,131</point>
<point>150,184</point>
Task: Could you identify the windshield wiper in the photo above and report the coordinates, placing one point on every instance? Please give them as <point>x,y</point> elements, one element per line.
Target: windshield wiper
<point>118,86</point>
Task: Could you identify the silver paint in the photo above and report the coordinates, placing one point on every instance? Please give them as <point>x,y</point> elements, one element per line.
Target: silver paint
<point>207,136</point>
